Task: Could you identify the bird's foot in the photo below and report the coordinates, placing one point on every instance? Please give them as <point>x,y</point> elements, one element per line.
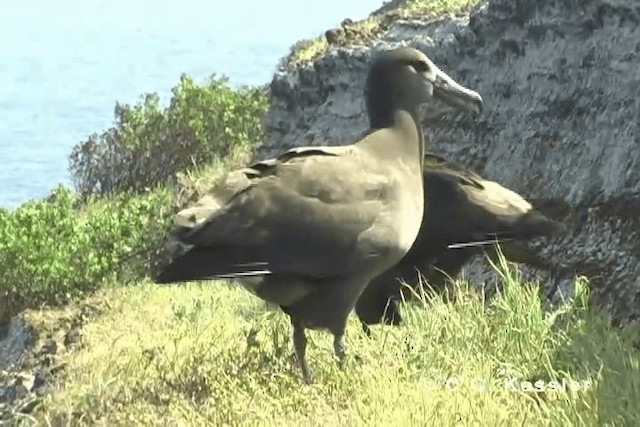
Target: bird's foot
<point>300,345</point>
<point>307,376</point>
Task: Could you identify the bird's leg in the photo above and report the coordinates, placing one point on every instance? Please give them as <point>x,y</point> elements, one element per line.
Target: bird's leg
<point>559,273</point>
<point>338,347</point>
<point>549,294</point>
<point>300,345</point>
<point>392,313</point>
<point>366,329</point>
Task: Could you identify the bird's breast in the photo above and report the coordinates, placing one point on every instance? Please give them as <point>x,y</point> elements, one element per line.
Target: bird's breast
<point>408,217</point>
<point>399,222</point>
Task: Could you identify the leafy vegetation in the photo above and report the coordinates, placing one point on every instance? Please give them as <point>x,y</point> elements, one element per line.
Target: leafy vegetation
<point>53,250</point>
<point>128,181</point>
<point>214,356</point>
<point>148,144</point>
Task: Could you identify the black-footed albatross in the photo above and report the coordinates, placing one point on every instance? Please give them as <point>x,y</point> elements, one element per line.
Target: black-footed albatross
<point>463,207</point>
<point>308,231</point>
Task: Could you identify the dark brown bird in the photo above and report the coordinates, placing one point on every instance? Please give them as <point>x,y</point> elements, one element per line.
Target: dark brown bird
<point>460,207</point>
<point>308,230</point>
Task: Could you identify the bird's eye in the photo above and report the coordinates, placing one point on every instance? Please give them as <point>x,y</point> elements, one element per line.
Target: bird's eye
<point>419,66</point>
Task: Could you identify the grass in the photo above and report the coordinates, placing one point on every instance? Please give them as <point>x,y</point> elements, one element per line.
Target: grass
<point>211,353</point>
<point>194,183</point>
<point>363,31</point>
<point>435,8</point>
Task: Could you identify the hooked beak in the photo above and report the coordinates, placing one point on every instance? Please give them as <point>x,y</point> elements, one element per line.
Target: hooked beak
<point>454,94</point>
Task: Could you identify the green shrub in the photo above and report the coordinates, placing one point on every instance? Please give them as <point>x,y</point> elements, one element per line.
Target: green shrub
<point>55,249</point>
<point>148,144</point>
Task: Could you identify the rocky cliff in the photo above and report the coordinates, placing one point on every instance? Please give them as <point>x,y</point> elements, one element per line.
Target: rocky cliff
<point>561,84</point>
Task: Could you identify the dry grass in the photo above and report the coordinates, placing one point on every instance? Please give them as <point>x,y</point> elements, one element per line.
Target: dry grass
<point>436,8</point>
<point>186,355</point>
<point>363,31</point>
<point>192,184</point>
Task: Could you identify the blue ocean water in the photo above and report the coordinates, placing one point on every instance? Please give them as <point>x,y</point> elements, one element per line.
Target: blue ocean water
<point>64,64</point>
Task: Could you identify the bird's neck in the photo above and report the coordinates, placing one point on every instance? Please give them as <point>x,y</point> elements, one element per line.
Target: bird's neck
<point>405,124</point>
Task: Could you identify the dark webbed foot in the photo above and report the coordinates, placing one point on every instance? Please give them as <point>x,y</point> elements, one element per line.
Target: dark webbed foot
<point>300,345</point>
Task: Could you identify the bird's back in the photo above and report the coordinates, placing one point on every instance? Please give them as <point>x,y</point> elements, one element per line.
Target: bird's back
<point>312,212</point>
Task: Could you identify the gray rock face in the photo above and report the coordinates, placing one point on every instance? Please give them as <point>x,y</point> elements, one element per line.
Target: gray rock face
<point>30,357</point>
<point>561,84</point>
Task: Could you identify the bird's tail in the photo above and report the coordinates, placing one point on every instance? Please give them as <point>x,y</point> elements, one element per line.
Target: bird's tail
<point>531,225</point>
<point>206,264</point>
